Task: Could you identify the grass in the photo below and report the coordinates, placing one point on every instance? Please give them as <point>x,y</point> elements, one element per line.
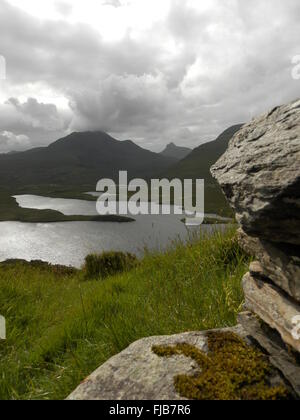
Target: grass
<point>60,328</point>
<point>108,264</point>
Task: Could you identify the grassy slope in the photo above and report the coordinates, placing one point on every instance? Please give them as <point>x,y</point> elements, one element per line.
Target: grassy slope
<point>61,328</point>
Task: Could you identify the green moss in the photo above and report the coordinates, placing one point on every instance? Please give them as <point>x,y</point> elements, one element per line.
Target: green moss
<point>231,370</point>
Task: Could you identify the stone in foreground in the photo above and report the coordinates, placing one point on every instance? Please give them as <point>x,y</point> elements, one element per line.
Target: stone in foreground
<point>260,175</point>
<point>139,374</point>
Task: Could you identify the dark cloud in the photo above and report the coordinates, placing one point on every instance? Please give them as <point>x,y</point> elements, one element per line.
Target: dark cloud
<point>38,115</point>
<point>184,78</point>
<point>28,124</point>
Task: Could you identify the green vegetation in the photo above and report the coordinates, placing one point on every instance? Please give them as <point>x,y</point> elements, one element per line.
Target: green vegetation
<point>231,370</point>
<point>197,166</point>
<point>62,327</point>
<point>42,266</point>
<point>10,210</point>
<point>214,221</point>
<point>108,263</point>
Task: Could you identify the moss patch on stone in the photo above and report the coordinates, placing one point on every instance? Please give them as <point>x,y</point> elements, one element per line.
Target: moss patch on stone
<point>231,370</point>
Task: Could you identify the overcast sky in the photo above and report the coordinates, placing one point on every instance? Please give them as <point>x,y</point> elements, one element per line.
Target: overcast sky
<point>153,71</point>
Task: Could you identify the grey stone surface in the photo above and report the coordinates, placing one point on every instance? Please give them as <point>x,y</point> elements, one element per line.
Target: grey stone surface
<point>278,262</point>
<point>273,307</point>
<point>260,175</point>
<point>274,347</point>
<point>138,374</point>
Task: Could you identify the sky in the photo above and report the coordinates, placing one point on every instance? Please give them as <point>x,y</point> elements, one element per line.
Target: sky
<point>154,71</point>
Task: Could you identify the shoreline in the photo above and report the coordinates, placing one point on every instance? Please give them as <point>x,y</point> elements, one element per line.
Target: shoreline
<point>10,211</point>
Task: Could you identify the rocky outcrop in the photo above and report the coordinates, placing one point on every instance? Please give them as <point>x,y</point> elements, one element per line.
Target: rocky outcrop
<point>278,262</point>
<point>260,176</point>
<point>168,368</point>
<point>271,305</point>
<point>139,374</point>
<point>269,340</point>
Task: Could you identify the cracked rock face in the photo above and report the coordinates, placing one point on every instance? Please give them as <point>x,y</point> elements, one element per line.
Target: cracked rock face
<point>272,306</point>
<point>260,175</point>
<point>278,262</point>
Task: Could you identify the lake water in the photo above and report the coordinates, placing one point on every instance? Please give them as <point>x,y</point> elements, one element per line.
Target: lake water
<point>69,243</point>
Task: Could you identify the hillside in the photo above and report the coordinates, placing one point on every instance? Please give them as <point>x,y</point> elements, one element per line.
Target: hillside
<point>74,164</point>
<point>176,152</point>
<point>61,327</point>
<point>198,163</point>
<point>79,159</point>
<point>197,166</point>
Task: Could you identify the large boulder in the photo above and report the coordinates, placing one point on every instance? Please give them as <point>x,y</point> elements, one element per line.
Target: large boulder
<point>260,175</point>
<point>219,364</point>
<point>139,374</point>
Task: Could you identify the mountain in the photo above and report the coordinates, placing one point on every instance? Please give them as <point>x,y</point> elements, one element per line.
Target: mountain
<point>198,163</point>
<point>197,166</point>
<point>176,152</point>
<point>79,159</point>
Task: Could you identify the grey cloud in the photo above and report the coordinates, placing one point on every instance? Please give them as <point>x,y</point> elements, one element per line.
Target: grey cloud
<point>38,115</point>
<point>226,65</point>
<point>11,142</point>
<point>30,124</point>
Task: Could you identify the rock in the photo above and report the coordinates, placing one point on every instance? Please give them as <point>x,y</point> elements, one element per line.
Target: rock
<point>260,175</point>
<point>278,262</point>
<point>274,308</point>
<point>272,344</point>
<point>257,270</point>
<point>139,374</point>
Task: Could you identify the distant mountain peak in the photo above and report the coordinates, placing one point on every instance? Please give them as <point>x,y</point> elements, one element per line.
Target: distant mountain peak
<point>197,164</point>
<point>81,158</point>
<point>176,152</point>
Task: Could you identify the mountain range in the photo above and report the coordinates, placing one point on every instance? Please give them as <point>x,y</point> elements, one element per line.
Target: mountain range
<point>78,161</point>
<point>80,158</point>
